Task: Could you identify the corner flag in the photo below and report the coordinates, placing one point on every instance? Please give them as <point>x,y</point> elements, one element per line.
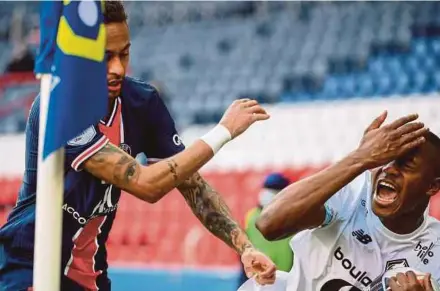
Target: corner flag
<point>73,96</point>
<point>72,50</point>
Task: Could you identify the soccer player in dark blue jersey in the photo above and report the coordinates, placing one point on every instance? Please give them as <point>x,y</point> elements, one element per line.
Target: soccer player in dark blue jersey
<point>99,163</point>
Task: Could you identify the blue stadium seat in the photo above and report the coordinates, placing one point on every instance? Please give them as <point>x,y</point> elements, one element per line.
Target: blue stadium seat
<point>207,53</point>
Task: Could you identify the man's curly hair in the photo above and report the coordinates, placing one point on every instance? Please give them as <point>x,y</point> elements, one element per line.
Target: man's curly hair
<point>114,11</point>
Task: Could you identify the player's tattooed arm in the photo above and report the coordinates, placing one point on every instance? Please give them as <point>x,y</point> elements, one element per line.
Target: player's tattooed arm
<point>113,165</point>
<point>211,210</point>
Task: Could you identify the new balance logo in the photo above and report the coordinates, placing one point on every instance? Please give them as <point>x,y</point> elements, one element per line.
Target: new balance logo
<point>424,252</point>
<point>362,237</point>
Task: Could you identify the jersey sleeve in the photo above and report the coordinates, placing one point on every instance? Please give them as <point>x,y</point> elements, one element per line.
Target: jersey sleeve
<point>342,205</point>
<point>77,150</point>
<point>83,146</point>
<point>162,140</point>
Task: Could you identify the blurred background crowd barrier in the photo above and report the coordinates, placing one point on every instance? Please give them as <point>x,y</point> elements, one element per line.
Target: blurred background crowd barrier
<point>323,69</point>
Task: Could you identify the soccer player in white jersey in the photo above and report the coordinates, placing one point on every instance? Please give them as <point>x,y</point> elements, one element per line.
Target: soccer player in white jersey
<point>364,215</point>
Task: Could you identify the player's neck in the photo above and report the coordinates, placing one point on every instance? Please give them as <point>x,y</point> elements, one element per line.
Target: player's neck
<point>404,224</point>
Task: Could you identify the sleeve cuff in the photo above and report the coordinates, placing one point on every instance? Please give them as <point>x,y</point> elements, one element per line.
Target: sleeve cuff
<point>329,216</point>
<point>90,151</point>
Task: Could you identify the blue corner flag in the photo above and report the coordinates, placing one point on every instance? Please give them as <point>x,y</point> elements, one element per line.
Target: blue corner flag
<point>72,50</point>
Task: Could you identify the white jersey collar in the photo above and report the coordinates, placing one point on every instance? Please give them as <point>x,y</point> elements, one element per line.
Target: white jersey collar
<point>399,237</point>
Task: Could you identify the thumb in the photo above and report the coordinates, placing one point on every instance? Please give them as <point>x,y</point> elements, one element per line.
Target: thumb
<point>377,122</point>
<point>249,272</point>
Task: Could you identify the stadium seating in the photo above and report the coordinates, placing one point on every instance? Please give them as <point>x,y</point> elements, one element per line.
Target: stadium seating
<point>17,92</point>
<point>334,53</point>
<point>293,52</point>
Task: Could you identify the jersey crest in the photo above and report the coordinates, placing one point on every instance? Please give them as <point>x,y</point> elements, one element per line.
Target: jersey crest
<point>84,138</point>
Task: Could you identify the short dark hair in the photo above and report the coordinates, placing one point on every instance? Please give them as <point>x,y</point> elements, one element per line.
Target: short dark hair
<point>435,141</point>
<point>114,11</point>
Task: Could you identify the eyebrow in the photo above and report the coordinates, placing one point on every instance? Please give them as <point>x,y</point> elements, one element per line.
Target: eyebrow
<point>126,47</point>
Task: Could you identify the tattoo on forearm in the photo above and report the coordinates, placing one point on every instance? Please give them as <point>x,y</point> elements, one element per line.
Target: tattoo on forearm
<point>173,168</point>
<point>212,211</point>
<point>124,171</point>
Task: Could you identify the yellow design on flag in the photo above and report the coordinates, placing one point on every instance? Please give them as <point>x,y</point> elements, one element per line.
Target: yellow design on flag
<point>76,45</point>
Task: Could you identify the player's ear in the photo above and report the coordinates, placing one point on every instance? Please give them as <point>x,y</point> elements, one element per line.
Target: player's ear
<point>434,188</point>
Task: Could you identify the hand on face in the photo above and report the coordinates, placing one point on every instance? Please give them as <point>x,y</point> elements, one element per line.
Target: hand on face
<point>382,144</point>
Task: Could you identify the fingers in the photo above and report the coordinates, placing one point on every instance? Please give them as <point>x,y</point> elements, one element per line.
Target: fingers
<point>427,283</point>
<point>256,109</point>
<point>402,279</point>
<point>414,135</point>
<point>264,281</point>
<point>257,267</point>
<point>270,271</point>
<point>258,113</point>
<point>263,269</point>
<point>408,128</point>
<point>377,122</point>
<point>411,278</point>
<point>403,120</point>
<point>394,285</point>
<point>258,117</point>
<point>248,103</point>
<point>413,144</point>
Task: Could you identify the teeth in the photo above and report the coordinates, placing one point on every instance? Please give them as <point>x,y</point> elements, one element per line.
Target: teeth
<point>385,199</point>
<point>387,185</point>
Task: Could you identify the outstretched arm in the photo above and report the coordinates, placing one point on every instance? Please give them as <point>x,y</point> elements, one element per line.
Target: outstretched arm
<point>151,183</point>
<point>211,210</point>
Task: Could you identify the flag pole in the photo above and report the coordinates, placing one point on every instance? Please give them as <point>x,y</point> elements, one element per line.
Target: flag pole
<point>48,224</point>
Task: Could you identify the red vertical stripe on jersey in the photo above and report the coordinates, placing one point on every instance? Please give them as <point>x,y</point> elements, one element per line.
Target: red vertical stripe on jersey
<point>113,132</point>
<point>81,266</point>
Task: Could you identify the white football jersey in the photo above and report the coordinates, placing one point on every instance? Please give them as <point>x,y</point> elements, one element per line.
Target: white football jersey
<point>353,250</point>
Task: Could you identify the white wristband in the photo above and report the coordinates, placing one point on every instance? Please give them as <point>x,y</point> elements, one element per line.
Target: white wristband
<point>217,137</point>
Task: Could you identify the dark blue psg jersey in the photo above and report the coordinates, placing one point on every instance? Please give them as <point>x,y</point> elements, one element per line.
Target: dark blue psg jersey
<point>139,123</point>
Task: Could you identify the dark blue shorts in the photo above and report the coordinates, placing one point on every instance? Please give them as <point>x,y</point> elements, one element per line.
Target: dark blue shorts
<point>17,275</point>
<point>21,280</point>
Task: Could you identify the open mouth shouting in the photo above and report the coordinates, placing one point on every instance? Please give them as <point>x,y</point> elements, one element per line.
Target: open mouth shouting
<point>386,193</point>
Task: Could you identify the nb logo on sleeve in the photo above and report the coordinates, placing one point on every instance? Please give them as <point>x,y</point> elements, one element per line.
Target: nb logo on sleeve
<point>362,237</point>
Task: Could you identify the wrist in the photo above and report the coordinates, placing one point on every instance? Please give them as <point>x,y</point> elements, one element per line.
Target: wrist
<point>247,247</point>
<point>357,162</point>
<point>217,137</point>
